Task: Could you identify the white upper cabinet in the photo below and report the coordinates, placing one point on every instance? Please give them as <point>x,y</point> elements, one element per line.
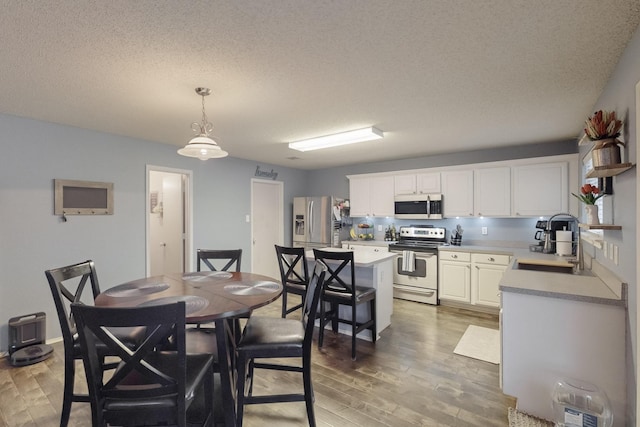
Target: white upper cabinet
<point>421,183</point>
<point>540,189</point>
<point>492,192</point>
<point>371,195</point>
<point>360,196</point>
<point>457,193</point>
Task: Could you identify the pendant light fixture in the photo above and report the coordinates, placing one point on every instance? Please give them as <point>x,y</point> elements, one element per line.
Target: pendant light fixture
<point>202,145</point>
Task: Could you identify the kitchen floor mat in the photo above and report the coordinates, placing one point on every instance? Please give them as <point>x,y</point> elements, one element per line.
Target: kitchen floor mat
<point>480,343</point>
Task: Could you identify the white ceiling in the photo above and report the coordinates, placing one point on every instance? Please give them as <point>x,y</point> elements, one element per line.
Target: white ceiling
<point>436,76</point>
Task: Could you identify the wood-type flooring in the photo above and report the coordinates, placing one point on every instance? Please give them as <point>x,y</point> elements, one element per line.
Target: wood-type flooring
<point>409,377</point>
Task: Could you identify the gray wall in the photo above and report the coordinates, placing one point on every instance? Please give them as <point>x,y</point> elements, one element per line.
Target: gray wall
<point>33,239</point>
<point>620,95</point>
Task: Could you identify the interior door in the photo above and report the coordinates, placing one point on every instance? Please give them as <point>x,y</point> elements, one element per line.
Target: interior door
<point>267,226</point>
<point>168,230</point>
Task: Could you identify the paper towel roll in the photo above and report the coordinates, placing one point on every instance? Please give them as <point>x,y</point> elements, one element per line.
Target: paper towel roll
<point>563,248</point>
<point>564,242</point>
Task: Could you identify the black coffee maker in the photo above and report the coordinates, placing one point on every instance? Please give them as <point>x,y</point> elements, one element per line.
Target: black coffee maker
<point>539,236</point>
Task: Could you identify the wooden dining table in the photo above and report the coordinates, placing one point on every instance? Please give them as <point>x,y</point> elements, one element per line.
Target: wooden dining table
<point>214,296</point>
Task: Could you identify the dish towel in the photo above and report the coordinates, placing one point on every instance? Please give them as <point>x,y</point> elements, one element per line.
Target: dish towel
<point>408,261</point>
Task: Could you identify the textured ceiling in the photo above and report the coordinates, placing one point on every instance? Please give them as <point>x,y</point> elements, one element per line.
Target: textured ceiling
<point>436,76</point>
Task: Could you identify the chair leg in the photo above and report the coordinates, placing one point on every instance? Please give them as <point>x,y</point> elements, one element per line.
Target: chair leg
<point>67,396</point>
<point>284,304</point>
<point>252,364</point>
<point>373,328</point>
<point>242,379</point>
<point>354,328</point>
<point>335,308</point>
<point>321,331</point>
<point>308,391</point>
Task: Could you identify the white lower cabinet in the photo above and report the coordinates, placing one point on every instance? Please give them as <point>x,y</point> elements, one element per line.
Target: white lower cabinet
<point>454,276</point>
<point>486,273</point>
<point>471,278</point>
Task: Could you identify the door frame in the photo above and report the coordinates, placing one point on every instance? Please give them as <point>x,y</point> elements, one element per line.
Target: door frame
<point>188,213</point>
<point>280,186</point>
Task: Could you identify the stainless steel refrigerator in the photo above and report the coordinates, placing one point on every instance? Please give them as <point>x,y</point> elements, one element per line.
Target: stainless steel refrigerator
<point>319,221</point>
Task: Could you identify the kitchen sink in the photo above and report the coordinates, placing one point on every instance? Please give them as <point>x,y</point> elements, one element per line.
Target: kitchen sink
<point>562,267</point>
<point>547,268</point>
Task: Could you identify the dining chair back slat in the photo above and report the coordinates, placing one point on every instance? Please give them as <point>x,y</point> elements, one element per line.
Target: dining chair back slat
<point>294,275</point>
<point>226,257</point>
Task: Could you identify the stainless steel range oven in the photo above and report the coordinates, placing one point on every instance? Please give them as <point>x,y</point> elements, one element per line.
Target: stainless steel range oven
<point>415,271</point>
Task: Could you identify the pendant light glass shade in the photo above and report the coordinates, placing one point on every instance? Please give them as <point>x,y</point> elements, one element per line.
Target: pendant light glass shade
<point>202,145</point>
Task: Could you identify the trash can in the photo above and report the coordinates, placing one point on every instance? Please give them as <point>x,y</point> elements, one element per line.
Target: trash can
<point>580,404</point>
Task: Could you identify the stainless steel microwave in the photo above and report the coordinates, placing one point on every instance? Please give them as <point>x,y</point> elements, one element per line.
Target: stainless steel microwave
<point>418,206</point>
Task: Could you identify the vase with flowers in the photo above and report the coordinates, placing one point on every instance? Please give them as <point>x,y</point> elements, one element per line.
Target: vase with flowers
<point>604,128</point>
<point>589,195</point>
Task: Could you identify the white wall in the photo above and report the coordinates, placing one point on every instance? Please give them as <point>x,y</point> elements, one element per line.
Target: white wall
<point>33,239</point>
<point>619,95</point>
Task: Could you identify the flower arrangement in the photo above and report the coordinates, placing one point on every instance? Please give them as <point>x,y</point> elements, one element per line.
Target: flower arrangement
<point>589,194</point>
<point>603,125</point>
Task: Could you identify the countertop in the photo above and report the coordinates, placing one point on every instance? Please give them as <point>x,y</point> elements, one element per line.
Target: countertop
<point>360,258</point>
<point>597,284</point>
<point>368,242</point>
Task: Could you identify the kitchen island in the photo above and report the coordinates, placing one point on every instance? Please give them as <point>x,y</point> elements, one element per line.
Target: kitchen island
<point>560,325</point>
<point>374,270</point>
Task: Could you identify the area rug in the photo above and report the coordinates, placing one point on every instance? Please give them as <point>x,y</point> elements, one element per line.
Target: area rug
<point>520,419</point>
<point>480,343</point>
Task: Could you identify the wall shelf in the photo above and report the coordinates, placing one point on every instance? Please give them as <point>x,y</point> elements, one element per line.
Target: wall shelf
<point>612,170</point>
<point>600,227</point>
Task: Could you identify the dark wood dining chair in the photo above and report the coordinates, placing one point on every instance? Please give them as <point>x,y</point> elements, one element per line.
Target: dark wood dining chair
<point>294,275</point>
<point>149,387</point>
<point>341,289</point>
<point>275,337</point>
<point>71,284</point>
<point>213,258</point>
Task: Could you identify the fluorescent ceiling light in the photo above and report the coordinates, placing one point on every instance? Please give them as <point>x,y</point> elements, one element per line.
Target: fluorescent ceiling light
<point>344,138</point>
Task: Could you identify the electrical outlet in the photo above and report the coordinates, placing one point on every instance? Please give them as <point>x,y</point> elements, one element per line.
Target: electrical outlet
<point>615,254</point>
<point>484,231</point>
<point>379,227</point>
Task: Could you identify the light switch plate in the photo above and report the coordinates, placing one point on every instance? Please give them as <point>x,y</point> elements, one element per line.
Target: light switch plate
<point>605,251</point>
<point>615,254</point>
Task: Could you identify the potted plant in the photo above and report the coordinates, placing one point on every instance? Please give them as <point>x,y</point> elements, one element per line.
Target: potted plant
<point>604,128</point>
<point>589,195</point>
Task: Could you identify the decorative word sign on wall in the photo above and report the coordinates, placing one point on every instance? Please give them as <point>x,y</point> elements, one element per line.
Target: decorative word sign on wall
<point>264,174</point>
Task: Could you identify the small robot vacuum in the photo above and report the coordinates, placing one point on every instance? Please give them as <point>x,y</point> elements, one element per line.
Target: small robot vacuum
<point>26,339</point>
